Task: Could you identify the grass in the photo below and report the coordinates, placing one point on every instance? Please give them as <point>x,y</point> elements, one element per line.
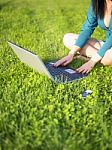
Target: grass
<point>36,113</point>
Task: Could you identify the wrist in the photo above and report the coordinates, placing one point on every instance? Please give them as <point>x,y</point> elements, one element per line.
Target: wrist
<point>73,51</point>
<point>72,55</point>
<point>92,62</point>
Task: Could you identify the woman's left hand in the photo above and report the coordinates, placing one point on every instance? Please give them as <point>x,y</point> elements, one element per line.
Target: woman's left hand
<point>87,67</point>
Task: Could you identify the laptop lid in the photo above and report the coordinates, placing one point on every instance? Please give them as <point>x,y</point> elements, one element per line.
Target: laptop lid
<point>30,59</point>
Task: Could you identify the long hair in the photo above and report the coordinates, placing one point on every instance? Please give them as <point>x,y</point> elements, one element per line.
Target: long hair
<point>99,7</point>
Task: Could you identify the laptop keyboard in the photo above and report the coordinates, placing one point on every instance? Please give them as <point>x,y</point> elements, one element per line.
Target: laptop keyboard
<point>62,77</point>
<point>58,73</point>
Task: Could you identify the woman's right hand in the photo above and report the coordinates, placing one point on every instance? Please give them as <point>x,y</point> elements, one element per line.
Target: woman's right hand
<point>64,61</point>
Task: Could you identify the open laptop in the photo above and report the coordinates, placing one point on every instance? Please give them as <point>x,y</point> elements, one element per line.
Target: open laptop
<point>59,74</point>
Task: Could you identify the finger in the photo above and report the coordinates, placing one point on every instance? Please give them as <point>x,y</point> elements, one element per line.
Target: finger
<point>89,70</point>
<point>59,62</point>
<point>84,71</point>
<point>77,69</point>
<point>80,69</point>
<point>65,63</point>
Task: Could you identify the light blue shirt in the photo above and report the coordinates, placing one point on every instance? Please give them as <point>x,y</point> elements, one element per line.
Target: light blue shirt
<point>88,28</point>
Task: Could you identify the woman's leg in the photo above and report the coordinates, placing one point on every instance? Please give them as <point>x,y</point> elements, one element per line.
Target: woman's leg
<point>90,48</point>
<point>107,59</point>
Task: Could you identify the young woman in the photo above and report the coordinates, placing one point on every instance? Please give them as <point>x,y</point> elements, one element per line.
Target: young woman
<point>99,13</point>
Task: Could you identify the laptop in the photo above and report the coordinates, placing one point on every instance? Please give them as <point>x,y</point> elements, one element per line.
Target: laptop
<point>57,74</point>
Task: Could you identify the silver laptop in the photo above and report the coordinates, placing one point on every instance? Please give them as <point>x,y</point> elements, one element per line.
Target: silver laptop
<point>59,74</point>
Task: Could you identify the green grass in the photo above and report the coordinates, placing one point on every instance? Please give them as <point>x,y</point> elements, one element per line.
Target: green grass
<point>36,113</point>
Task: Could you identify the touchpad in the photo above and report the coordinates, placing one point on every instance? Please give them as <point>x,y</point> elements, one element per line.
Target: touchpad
<point>70,71</point>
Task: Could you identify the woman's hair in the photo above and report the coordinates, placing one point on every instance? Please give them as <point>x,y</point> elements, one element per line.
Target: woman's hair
<point>99,7</point>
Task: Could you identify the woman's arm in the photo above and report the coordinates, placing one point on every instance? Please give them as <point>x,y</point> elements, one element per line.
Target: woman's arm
<point>107,45</point>
<point>88,28</point>
<point>101,52</point>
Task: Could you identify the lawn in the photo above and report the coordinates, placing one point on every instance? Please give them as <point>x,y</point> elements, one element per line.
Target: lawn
<point>36,113</point>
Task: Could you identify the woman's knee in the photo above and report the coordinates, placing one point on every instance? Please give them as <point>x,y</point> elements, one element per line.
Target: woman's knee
<point>107,59</point>
<point>69,39</point>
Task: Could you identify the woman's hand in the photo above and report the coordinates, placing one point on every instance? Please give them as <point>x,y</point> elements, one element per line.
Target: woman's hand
<point>87,67</point>
<point>64,61</point>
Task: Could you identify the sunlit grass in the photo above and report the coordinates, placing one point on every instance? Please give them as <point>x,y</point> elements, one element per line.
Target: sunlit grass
<point>36,113</point>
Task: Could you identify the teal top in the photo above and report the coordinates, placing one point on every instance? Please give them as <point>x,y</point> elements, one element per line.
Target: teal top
<point>88,28</point>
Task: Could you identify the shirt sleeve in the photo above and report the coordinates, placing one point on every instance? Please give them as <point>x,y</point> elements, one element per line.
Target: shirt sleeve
<point>88,28</point>
<point>107,45</point>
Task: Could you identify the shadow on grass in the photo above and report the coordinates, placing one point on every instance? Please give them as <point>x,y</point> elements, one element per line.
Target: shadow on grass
<point>76,63</point>
<point>2,5</point>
